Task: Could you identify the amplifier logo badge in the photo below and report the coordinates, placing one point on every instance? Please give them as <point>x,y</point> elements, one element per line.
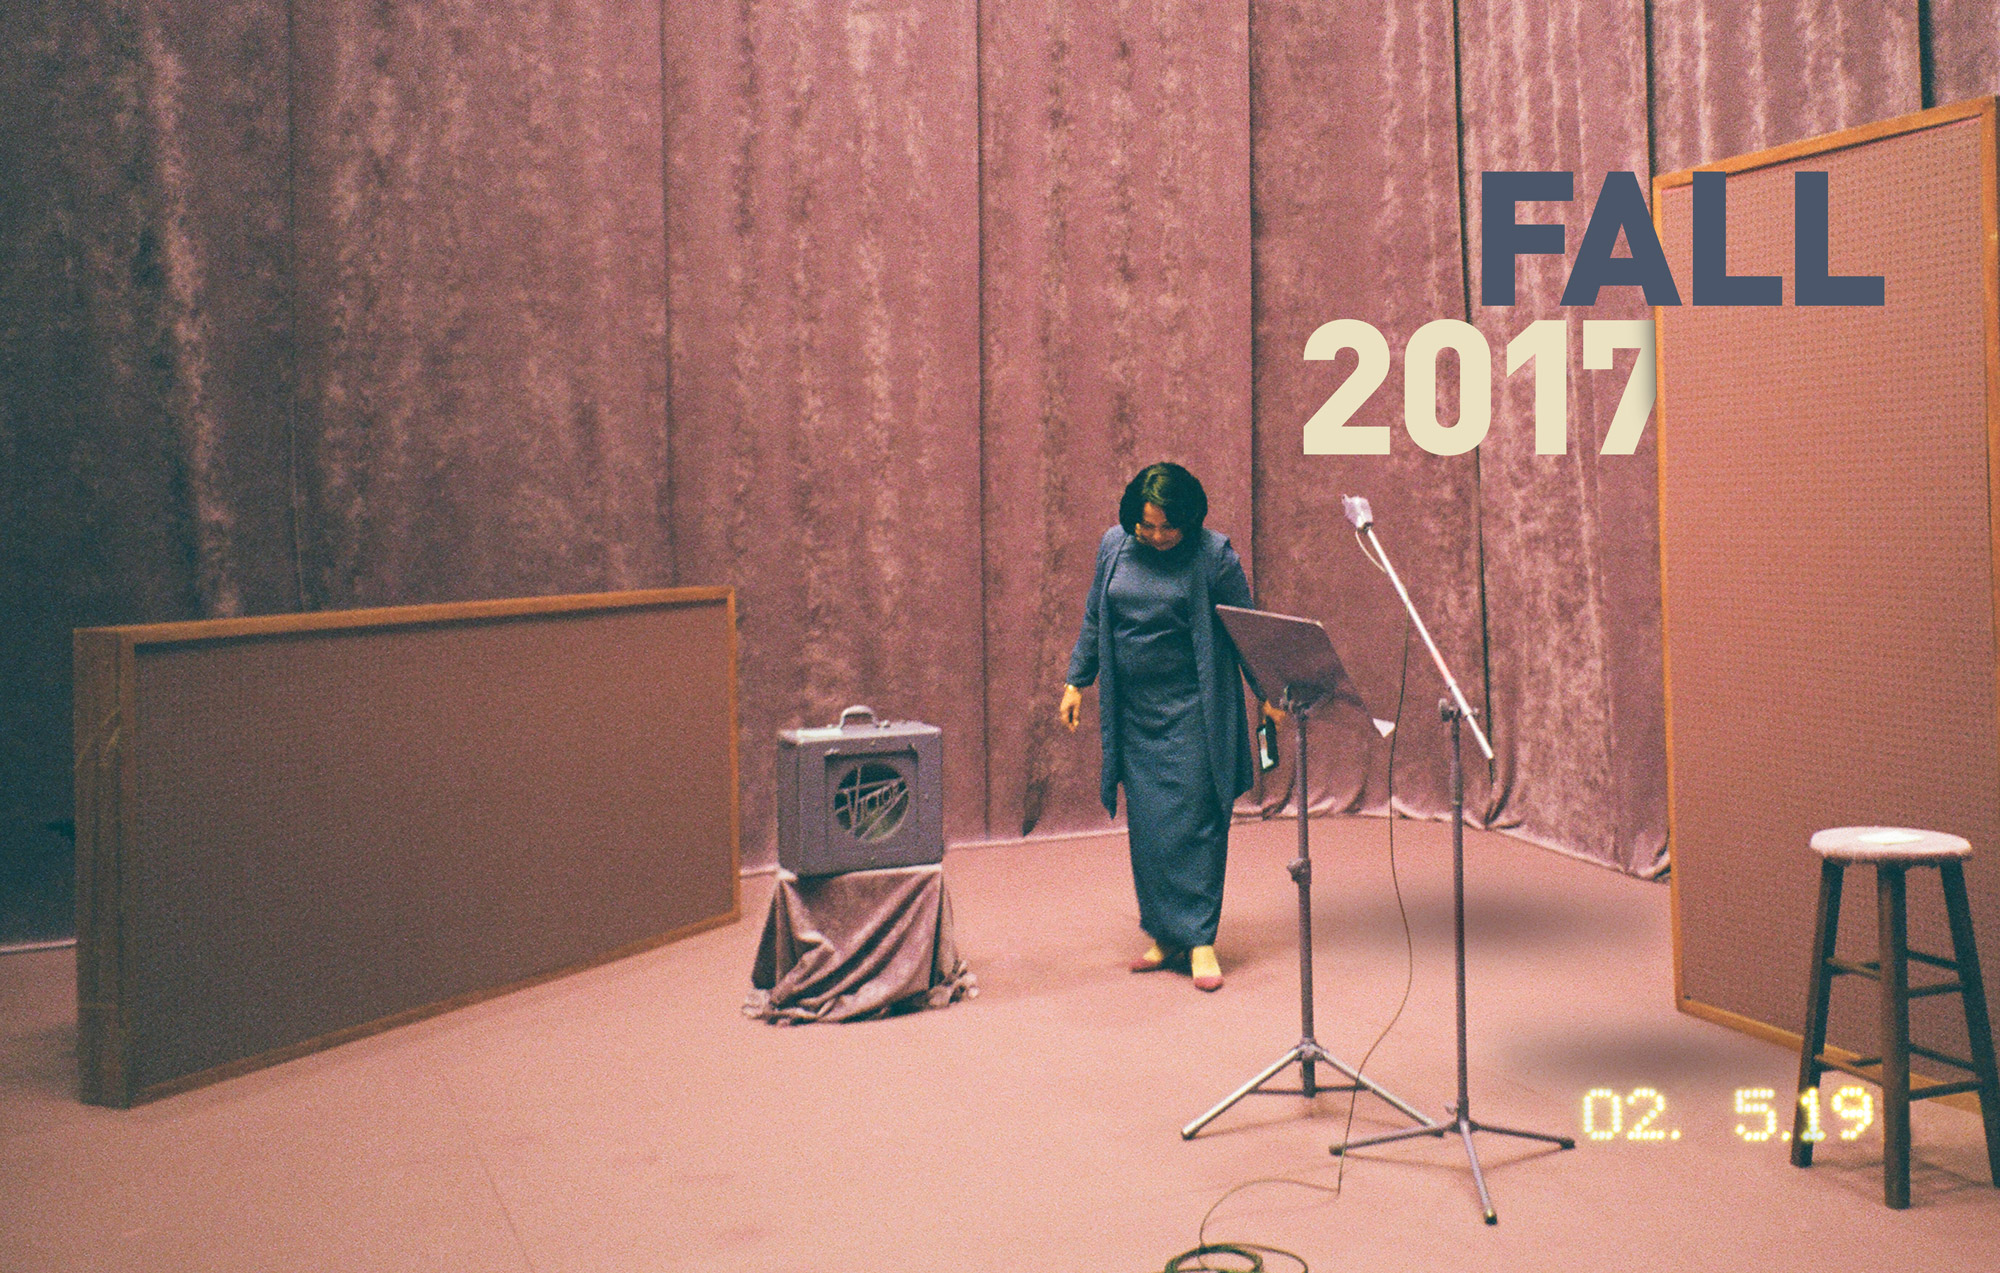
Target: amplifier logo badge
<point>870,801</point>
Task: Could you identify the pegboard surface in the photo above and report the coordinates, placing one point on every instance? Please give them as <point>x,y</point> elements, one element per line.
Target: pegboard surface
<point>1827,570</point>
<point>312,826</point>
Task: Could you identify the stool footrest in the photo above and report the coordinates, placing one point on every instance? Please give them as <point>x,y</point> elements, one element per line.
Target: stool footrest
<point>1941,988</point>
<point>1861,1067</point>
<point>1944,1089</point>
<point>1946,1057</point>
<point>1872,968</point>
<point>1870,1068</point>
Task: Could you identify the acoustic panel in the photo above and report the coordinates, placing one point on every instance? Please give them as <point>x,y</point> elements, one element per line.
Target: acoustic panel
<point>297,829</point>
<point>1827,551</point>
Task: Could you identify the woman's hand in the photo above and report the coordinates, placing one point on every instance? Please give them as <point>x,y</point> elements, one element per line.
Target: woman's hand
<point>1274,715</point>
<point>1071,708</point>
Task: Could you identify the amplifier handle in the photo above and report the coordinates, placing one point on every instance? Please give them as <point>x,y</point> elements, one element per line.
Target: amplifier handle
<point>858,708</point>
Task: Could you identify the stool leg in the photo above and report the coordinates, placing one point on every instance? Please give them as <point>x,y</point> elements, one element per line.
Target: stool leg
<point>1819,988</point>
<point>1895,1036</point>
<point>1977,1025</point>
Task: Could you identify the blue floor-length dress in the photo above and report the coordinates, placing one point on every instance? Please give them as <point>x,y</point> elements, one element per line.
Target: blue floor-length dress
<point>1172,706</point>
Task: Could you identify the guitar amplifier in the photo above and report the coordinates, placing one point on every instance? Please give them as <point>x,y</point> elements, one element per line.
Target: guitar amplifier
<point>860,795</point>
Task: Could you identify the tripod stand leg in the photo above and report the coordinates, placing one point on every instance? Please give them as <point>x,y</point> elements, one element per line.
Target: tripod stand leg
<point>1562,1141</point>
<point>1263,1076</point>
<point>1385,1094</point>
<point>1428,1129</point>
<point>1478,1176</point>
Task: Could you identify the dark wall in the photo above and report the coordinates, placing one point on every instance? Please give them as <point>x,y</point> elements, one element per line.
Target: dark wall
<point>867,309</point>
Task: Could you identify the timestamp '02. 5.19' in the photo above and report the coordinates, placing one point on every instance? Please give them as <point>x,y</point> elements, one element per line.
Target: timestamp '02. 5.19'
<point>1642,1116</point>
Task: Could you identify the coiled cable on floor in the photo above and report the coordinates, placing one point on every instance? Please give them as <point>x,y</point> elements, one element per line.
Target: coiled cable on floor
<point>1195,1260</point>
<point>1247,1251</point>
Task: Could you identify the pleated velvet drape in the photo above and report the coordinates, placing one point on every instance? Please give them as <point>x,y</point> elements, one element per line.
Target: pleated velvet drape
<point>869,309</point>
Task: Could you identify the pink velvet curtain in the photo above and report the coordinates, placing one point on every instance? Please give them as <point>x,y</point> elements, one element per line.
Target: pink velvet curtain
<point>478,299</point>
<point>1115,223</point>
<point>1568,541</point>
<point>868,309</point>
<point>822,179</point>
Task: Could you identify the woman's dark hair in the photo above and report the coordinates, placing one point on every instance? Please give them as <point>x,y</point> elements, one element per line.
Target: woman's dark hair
<point>1170,486</point>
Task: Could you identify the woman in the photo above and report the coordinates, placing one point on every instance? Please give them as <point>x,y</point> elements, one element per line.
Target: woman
<point>1171,707</point>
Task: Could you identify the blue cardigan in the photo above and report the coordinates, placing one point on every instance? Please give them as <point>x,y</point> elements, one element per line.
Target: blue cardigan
<point>1218,579</point>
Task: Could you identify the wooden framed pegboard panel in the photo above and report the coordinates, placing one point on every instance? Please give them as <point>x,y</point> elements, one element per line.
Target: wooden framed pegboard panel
<point>1827,543</point>
<point>295,830</point>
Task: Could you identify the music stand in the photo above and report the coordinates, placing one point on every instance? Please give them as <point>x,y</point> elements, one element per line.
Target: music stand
<point>1278,649</point>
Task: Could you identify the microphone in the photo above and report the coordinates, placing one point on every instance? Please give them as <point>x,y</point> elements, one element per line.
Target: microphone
<point>1357,511</point>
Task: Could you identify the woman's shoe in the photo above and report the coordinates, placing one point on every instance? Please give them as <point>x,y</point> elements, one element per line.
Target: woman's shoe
<point>1206,969</point>
<point>1153,960</point>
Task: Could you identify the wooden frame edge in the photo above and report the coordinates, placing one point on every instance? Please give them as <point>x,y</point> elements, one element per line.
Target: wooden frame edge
<point>1666,655</point>
<point>735,754</point>
<point>406,616</point>
<point>1846,138</point>
<point>409,1016</point>
<point>103,814</point>
<point>1792,1042</point>
<point>1989,215</point>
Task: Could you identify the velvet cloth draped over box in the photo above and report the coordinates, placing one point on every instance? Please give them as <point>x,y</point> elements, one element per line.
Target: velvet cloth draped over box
<point>1171,719</point>
<point>857,945</point>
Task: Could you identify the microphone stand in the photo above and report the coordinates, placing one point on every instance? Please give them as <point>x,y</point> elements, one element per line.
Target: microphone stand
<point>1456,711</point>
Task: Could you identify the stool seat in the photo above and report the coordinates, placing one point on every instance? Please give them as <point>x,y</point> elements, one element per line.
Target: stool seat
<point>1902,846</point>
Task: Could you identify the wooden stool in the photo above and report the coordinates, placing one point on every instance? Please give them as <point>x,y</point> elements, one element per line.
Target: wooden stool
<point>1892,851</point>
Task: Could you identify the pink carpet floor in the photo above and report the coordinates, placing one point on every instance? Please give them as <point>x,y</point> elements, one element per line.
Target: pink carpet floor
<point>630,1118</point>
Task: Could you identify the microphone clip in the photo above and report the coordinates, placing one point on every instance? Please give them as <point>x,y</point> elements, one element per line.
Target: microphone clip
<point>1357,510</point>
